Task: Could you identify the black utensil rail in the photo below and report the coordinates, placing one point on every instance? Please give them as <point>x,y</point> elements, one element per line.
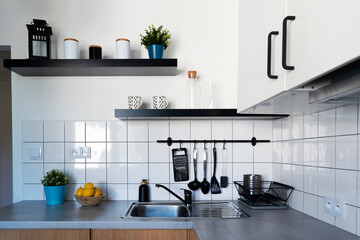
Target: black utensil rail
<point>272,193</point>
<point>253,141</point>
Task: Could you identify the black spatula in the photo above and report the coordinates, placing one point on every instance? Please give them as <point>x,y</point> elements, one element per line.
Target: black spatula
<point>215,187</point>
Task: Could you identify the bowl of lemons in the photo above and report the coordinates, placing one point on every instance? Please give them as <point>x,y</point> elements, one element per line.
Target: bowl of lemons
<point>89,195</point>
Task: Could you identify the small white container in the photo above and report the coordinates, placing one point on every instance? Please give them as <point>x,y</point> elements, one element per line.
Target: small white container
<point>71,48</point>
<point>122,48</point>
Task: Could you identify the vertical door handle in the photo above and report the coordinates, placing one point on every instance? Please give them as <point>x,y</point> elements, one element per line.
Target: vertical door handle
<point>273,33</point>
<point>284,41</point>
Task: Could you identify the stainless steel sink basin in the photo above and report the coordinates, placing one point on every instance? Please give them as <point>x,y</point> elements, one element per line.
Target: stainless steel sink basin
<point>158,210</point>
<point>178,210</point>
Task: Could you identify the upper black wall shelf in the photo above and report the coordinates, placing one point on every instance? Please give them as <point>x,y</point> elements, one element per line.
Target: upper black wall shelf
<point>129,114</point>
<point>93,67</point>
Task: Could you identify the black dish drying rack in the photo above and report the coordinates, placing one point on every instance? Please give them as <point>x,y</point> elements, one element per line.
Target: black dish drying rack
<point>274,195</point>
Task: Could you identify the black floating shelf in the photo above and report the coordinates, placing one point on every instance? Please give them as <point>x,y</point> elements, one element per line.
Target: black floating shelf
<point>92,67</point>
<point>129,114</point>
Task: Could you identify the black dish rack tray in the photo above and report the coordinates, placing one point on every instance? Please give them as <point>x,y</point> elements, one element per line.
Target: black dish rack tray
<point>274,195</point>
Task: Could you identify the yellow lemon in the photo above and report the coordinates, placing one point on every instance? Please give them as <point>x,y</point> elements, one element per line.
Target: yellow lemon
<point>79,192</point>
<point>89,185</point>
<point>97,194</point>
<point>97,189</point>
<point>88,192</point>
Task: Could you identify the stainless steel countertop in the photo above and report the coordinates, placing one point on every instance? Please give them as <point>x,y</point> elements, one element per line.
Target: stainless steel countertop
<point>262,224</point>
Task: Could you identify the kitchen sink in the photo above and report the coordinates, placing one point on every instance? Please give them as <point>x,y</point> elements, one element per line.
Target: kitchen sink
<point>158,210</point>
<point>179,210</point>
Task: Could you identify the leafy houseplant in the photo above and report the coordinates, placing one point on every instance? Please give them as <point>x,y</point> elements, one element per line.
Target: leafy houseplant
<point>54,186</point>
<point>156,40</point>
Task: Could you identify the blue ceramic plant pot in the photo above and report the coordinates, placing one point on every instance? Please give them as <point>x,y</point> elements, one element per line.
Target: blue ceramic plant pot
<point>155,51</point>
<point>55,195</point>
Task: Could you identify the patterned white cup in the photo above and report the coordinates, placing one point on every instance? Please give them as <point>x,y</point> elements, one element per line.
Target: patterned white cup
<point>134,102</point>
<point>159,102</point>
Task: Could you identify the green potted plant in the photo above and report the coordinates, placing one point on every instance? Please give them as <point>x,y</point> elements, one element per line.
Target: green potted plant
<point>54,186</point>
<point>156,40</point>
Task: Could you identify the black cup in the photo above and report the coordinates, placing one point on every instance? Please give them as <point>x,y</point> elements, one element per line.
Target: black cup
<point>95,52</point>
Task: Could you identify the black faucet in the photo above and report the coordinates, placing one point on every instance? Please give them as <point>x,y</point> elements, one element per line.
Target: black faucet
<point>187,194</point>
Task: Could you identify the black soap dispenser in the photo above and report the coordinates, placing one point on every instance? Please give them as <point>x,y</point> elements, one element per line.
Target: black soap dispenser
<point>144,191</point>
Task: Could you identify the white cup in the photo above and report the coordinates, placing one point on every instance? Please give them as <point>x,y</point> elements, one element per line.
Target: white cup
<point>122,48</point>
<point>160,102</point>
<point>134,102</point>
<point>71,48</point>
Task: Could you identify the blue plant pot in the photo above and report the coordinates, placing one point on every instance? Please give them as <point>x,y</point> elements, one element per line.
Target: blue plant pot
<point>155,51</point>
<point>55,195</point>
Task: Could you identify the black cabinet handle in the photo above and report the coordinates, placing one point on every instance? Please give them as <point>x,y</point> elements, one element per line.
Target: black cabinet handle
<point>273,33</point>
<point>284,41</point>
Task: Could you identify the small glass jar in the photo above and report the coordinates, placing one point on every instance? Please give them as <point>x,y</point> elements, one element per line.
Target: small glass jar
<point>191,89</point>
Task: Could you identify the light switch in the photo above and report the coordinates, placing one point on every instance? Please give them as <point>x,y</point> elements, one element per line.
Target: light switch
<point>35,153</point>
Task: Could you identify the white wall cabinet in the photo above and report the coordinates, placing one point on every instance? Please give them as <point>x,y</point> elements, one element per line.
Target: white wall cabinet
<point>323,36</point>
<point>257,19</point>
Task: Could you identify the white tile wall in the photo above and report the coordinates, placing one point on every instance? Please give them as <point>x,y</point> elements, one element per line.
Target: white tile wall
<point>117,131</point>
<point>54,152</point>
<point>310,125</point>
<point>158,130</point>
<point>54,131</point>
<point>310,152</point>
<point>32,131</point>
<point>330,166</point>
<point>346,120</point>
<point>98,152</point>
<point>327,123</point>
<point>96,172</point>
<point>316,153</point>
<point>346,152</point>
<point>74,131</point>
<point>138,152</point>
<point>180,129</point>
<point>326,152</point>
<point>138,131</point>
<point>33,173</point>
<point>116,173</point>
<point>297,127</point>
<point>310,205</point>
<point>95,131</point>
<point>124,152</point>
<point>116,152</point>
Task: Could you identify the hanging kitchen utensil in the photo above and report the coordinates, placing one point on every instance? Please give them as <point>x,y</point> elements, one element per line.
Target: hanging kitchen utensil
<point>205,185</point>
<point>194,185</point>
<point>215,187</point>
<point>180,163</point>
<point>224,178</point>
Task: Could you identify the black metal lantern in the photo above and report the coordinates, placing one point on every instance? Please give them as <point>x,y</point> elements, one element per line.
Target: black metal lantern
<point>39,39</point>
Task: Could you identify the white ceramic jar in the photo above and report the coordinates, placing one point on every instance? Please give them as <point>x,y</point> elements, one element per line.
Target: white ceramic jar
<point>71,48</point>
<point>122,48</point>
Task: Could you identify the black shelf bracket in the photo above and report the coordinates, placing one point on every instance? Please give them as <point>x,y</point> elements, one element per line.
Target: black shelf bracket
<point>169,141</point>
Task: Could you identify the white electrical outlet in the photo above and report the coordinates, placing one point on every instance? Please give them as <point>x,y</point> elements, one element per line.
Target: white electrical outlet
<point>75,153</point>
<point>85,152</point>
<point>340,209</point>
<point>329,205</point>
<point>335,207</point>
